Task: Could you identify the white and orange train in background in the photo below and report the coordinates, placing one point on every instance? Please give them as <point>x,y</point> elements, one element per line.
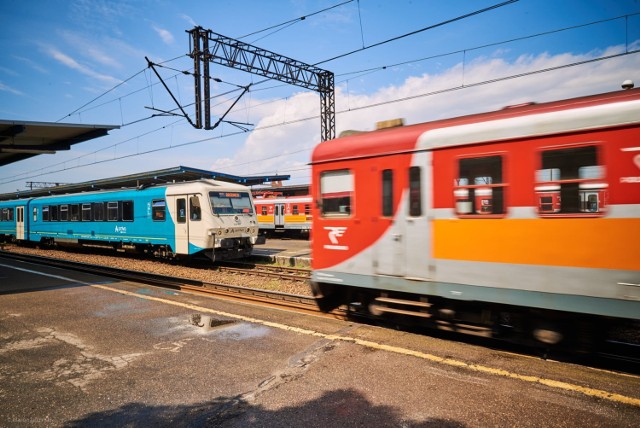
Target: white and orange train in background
<point>523,221</point>
<point>286,214</point>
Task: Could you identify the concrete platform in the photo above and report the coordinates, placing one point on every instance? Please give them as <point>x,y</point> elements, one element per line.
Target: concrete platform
<point>285,252</point>
<point>84,350</point>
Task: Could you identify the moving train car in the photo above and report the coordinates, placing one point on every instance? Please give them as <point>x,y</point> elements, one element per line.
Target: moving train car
<point>207,217</point>
<point>519,222</point>
<point>291,214</point>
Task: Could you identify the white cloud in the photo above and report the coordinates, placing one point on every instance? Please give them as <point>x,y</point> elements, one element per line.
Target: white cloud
<point>287,148</point>
<point>34,65</point>
<point>189,19</point>
<point>165,35</point>
<point>9,89</point>
<point>73,64</point>
<point>89,48</point>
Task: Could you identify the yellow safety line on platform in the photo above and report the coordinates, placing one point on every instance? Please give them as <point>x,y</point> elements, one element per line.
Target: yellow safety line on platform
<point>397,350</point>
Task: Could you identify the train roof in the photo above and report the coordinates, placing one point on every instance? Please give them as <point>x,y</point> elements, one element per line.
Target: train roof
<point>282,199</point>
<point>477,128</point>
<point>176,174</point>
<point>180,188</point>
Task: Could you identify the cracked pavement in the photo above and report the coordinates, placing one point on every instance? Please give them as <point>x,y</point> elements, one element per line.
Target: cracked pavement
<point>121,354</point>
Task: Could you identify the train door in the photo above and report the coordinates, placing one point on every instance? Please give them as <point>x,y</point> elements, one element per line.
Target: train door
<point>405,250</point>
<point>181,224</point>
<point>391,253</point>
<point>278,215</point>
<point>189,227</point>
<point>20,223</point>
<point>417,245</point>
<point>391,248</point>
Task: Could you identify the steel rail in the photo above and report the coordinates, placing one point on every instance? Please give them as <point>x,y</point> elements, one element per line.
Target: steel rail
<point>294,274</point>
<point>299,303</point>
<point>616,353</point>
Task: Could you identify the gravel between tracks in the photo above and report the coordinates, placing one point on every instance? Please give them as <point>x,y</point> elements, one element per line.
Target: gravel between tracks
<point>130,262</point>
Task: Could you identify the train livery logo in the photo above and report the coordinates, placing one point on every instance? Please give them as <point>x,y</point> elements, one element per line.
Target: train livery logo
<point>335,232</point>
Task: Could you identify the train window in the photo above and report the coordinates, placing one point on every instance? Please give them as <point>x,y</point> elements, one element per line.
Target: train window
<point>64,212</point>
<point>387,193</point>
<point>570,182</point>
<point>181,209</point>
<point>126,208</point>
<point>295,210</point>
<point>231,203</point>
<point>53,213</point>
<point>112,211</point>
<point>415,195</point>
<point>6,214</point>
<point>86,212</point>
<point>158,210</point>
<point>307,209</point>
<point>97,209</point>
<point>74,212</point>
<point>336,193</point>
<point>45,213</point>
<point>35,214</point>
<point>264,210</point>
<point>194,208</point>
<point>479,188</point>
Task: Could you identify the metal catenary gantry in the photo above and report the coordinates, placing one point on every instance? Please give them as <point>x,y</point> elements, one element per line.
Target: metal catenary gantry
<point>209,47</point>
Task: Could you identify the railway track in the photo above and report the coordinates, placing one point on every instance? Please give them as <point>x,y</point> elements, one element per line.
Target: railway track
<point>614,355</point>
<point>295,302</point>
<point>279,272</point>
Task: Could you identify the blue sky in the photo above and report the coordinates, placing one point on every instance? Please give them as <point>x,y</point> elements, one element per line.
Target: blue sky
<point>83,61</point>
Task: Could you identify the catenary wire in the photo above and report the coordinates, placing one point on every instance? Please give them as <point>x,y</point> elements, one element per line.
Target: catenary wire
<point>262,128</point>
<point>493,44</point>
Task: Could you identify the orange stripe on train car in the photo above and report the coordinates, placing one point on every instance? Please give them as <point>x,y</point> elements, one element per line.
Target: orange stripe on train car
<point>295,218</point>
<point>579,242</point>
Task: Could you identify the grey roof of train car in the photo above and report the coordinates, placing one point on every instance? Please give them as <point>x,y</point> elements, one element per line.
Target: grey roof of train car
<point>162,176</point>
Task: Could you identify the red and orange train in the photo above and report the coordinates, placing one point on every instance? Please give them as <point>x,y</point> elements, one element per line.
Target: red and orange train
<point>520,221</point>
<point>284,214</point>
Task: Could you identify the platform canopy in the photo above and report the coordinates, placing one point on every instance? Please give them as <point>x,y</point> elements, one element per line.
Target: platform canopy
<point>170,175</point>
<point>21,140</point>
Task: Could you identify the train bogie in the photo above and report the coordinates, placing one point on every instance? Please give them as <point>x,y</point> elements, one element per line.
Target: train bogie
<point>520,219</point>
<point>206,217</point>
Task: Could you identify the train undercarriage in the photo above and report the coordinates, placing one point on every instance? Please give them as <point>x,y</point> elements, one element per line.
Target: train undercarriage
<point>232,248</point>
<point>548,329</point>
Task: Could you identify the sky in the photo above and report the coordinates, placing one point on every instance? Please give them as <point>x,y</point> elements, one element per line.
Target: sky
<point>84,62</point>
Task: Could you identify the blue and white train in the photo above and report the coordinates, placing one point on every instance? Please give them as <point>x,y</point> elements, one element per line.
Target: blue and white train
<point>206,217</point>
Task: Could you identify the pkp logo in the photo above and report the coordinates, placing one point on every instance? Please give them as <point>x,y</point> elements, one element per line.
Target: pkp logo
<point>335,233</point>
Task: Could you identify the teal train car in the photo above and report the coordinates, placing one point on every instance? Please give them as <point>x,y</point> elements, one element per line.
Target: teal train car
<point>206,217</point>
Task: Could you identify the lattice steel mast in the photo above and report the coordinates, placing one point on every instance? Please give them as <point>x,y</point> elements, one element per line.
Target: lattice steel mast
<point>207,46</point>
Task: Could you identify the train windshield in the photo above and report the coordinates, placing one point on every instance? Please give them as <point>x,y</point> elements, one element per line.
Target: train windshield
<point>231,203</point>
